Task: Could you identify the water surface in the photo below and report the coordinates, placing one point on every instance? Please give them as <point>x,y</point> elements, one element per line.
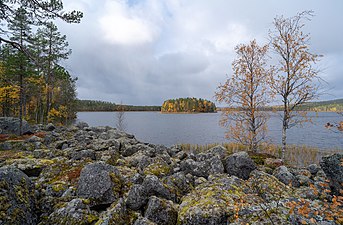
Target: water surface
<point>203,128</point>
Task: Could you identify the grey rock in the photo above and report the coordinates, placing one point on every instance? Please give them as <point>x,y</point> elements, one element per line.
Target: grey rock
<point>74,212</point>
<point>137,197</point>
<point>239,164</point>
<point>34,139</point>
<point>78,155</point>
<point>137,178</point>
<point>132,149</point>
<point>313,168</point>
<point>203,168</point>
<point>5,146</point>
<point>179,184</point>
<point>50,127</point>
<point>333,168</point>
<point>303,180</point>
<point>285,176</point>
<point>17,197</point>
<point>99,182</point>
<point>10,125</point>
<point>161,211</point>
<point>81,125</point>
<point>143,221</point>
<point>153,186</point>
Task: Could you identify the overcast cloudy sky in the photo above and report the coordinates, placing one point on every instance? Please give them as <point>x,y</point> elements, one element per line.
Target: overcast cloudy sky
<point>143,52</point>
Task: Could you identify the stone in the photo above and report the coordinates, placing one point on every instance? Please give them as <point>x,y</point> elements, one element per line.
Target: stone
<point>211,202</point>
<point>313,168</point>
<point>204,168</point>
<point>99,182</point>
<point>285,176</point>
<point>153,186</point>
<point>137,197</point>
<point>78,155</point>
<point>239,164</point>
<point>161,211</point>
<point>50,127</point>
<point>81,125</point>
<point>74,212</point>
<point>119,214</point>
<point>34,139</point>
<point>273,163</point>
<point>143,221</point>
<point>333,168</point>
<point>10,125</point>
<point>17,197</point>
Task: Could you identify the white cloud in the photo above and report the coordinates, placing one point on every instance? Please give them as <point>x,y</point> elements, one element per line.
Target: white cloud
<point>123,25</point>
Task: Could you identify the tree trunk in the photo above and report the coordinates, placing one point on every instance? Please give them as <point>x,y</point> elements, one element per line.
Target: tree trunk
<point>21,104</point>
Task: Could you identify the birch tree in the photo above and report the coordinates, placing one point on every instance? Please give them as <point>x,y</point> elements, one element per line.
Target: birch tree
<point>296,73</point>
<point>246,90</point>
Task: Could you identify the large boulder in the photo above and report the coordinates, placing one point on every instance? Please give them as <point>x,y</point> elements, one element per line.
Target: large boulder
<point>161,211</point>
<point>10,125</point>
<point>211,202</point>
<point>139,193</point>
<point>99,182</point>
<point>239,164</point>
<point>17,197</point>
<point>333,168</point>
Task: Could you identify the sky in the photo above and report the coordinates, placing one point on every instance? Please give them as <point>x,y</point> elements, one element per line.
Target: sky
<point>142,52</point>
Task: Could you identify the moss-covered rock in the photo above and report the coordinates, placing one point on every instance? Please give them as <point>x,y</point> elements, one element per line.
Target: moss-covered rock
<point>17,197</point>
<point>211,202</point>
<point>74,212</point>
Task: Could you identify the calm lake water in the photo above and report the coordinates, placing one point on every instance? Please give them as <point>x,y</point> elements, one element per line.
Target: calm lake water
<point>170,129</point>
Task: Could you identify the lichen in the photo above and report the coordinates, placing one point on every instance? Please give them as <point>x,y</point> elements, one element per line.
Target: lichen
<point>158,169</point>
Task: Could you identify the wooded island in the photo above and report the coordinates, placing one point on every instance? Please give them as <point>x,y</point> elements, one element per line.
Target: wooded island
<point>188,105</point>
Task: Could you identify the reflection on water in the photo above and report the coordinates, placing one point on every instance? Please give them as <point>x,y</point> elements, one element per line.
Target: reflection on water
<point>170,129</point>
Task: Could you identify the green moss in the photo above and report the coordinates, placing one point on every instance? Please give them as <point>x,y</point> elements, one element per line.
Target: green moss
<point>92,218</point>
<point>158,169</point>
<point>118,183</point>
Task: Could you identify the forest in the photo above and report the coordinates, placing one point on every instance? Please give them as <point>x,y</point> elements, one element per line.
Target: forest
<point>188,105</point>
<point>103,106</point>
<point>33,83</point>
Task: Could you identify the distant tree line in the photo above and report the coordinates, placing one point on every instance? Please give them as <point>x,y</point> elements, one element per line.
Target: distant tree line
<point>99,106</point>
<point>322,106</point>
<point>188,105</point>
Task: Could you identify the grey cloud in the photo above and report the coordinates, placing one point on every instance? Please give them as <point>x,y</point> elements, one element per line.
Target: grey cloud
<point>192,49</point>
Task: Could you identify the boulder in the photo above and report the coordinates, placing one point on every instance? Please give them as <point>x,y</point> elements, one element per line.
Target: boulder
<point>143,221</point>
<point>137,197</point>
<point>78,155</point>
<point>211,202</point>
<point>285,176</point>
<point>99,182</point>
<point>81,125</point>
<point>204,167</point>
<point>74,212</point>
<point>273,163</point>
<point>17,197</point>
<point>118,214</point>
<point>313,168</point>
<point>50,127</point>
<point>239,164</point>
<point>10,125</point>
<point>153,186</point>
<point>333,168</point>
<point>161,211</point>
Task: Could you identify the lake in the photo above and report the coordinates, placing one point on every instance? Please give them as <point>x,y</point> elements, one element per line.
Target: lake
<point>204,128</point>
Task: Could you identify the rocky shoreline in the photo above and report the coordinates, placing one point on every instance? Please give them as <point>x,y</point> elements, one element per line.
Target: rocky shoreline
<point>99,175</point>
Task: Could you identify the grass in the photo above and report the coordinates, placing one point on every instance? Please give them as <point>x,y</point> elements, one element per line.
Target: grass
<point>295,155</point>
